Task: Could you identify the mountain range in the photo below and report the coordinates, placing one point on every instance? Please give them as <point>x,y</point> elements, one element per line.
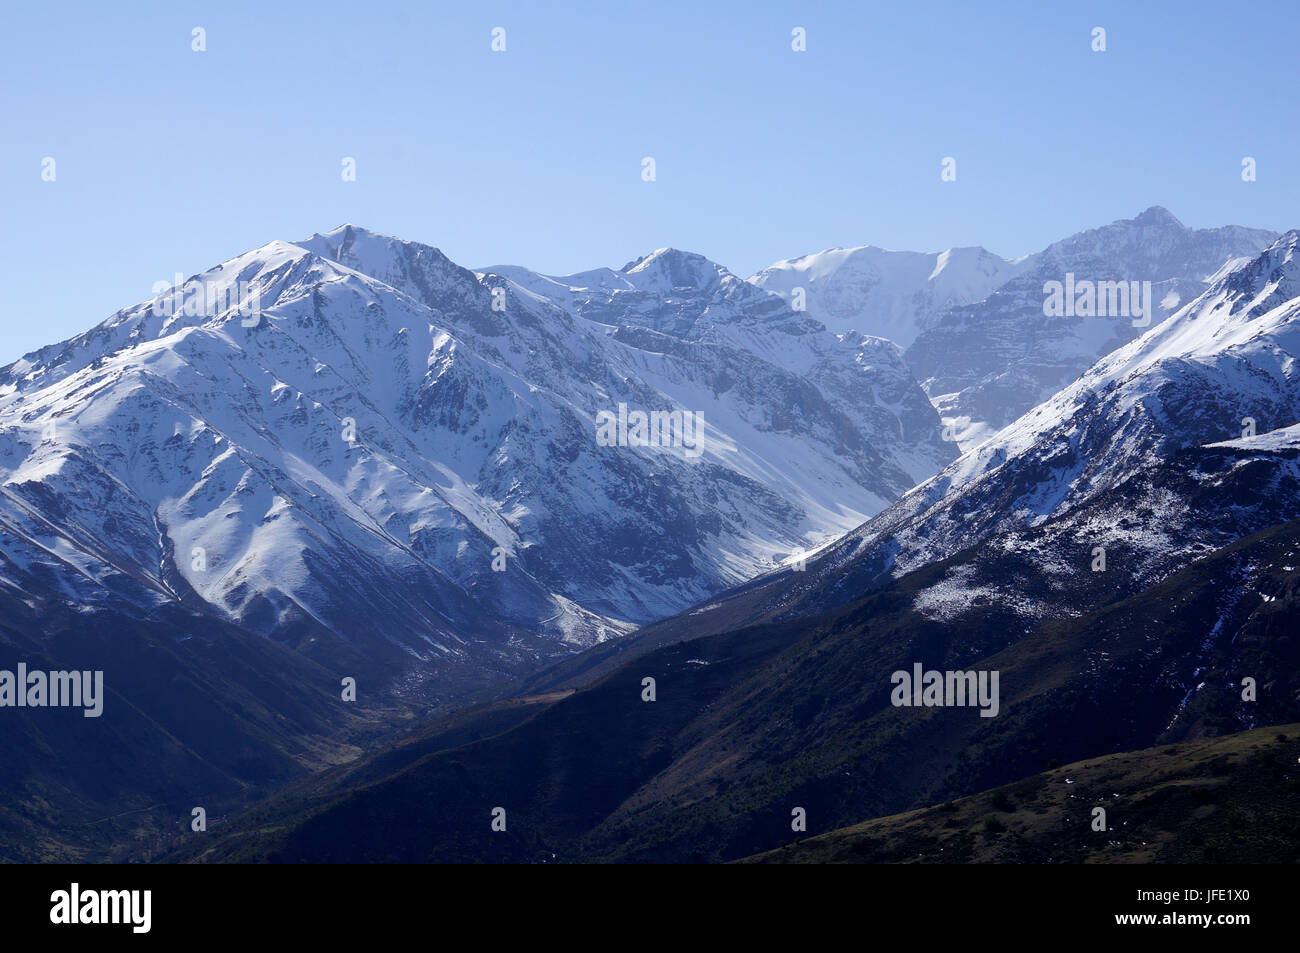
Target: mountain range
<point>354,458</point>
<point>777,696</point>
<point>973,324</point>
<point>386,469</point>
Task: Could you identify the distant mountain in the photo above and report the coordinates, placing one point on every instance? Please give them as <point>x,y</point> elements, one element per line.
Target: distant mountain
<point>890,294</point>
<point>1096,461</point>
<point>973,325</point>
<point>1220,367</point>
<point>396,460</point>
<point>987,362</point>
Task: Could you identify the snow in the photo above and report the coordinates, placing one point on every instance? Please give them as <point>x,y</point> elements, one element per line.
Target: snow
<point>474,433</point>
<point>1223,356</point>
<point>887,293</point>
<point>1284,438</point>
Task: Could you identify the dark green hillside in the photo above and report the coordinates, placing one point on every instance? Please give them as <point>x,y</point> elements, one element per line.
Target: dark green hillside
<point>1234,799</point>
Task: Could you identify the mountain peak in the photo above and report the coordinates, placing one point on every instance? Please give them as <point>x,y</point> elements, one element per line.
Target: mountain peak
<point>1159,216</point>
<point>417,269</point>
<point>667,268</point>
<point>347,233</point>
<point>349,238</point>
<point>666,257</point>
<point>883,292</point>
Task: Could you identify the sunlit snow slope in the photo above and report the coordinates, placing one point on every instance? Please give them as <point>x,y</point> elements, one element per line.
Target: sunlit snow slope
<point>205,458</point>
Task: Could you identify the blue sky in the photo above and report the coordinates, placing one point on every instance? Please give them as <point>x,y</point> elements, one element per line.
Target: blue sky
<point>171,160</point>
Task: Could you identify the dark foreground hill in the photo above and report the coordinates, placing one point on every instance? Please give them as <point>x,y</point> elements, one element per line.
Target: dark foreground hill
<point>195,713</point>
<point>1234,799</point>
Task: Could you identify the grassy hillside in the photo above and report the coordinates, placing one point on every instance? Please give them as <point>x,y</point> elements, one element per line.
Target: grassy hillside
<point>1234,799</point>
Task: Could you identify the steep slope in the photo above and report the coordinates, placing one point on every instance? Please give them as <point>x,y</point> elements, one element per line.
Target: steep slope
<point>1222,364</point>
<point>687,297</point>
<point>356,447</point>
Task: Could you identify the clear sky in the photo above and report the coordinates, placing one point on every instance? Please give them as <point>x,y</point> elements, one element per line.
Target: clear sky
<point>169,160</point>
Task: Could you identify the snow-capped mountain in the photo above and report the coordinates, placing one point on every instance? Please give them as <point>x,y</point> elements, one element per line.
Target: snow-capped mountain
<point>1172,446</point>
<point>699,303</point>
<point>1120,557</point>
<point>973,325</point>
<point>1169,451</point>
<point>985,363</point>
<point>885,293</point>
<point>352,444</point>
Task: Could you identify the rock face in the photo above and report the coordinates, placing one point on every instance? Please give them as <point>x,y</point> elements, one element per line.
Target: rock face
<point>358,448</point>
